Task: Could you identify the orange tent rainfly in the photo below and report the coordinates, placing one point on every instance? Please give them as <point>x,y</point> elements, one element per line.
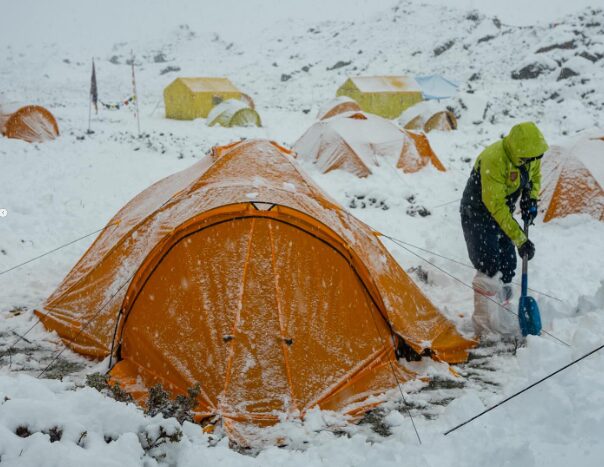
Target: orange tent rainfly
<point>356,141</point>
<point>573,180</point>
<point>30,123</point>
<point>241,275</point>
<point>338,106</point>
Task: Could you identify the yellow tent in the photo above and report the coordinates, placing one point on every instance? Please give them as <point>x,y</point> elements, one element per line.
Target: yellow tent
<point>190,98</point>
<point>386,96</point>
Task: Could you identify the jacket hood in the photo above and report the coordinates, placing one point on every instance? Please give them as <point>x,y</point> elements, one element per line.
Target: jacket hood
<point>524,142</point>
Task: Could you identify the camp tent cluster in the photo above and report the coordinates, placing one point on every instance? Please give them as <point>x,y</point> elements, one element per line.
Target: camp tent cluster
<point>358,141</point>
<point>31,123</point>
<point>240,274</point>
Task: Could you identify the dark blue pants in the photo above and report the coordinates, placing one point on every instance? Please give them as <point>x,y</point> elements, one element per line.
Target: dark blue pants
<point>490,250</point>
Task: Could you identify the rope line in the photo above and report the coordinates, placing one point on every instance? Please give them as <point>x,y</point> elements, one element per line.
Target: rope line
<point>461,263</point>
<point>467,285</point>
<point>524,390</point>
<point>22,336</point>
<point>55,249</point>
<point>398,383</point>
<point>88,323</point>
<point>446,204</point>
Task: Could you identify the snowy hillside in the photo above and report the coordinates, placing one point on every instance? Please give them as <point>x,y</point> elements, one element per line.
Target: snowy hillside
<point>291,61</point>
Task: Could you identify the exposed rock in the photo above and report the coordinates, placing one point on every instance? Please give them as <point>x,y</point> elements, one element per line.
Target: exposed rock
<point>115,60</point>
<point>443,48</point>
<point>531,71</point>
<point>169,69</point>
<point>486,38</point>
<point>564,45</point>
<point>285,77</point>
<point>160,58</point>
<point>567,73</point>
<point>339,64</point>
<point>587,56</point>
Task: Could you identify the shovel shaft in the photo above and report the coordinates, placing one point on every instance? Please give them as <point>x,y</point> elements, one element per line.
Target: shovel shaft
<point>524,290</point>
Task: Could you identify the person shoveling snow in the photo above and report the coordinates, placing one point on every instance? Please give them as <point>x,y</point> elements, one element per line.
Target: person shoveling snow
<point>504,172</point>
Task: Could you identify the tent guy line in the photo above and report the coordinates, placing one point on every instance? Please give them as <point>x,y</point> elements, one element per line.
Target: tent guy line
<point>399,243</point>
<point>86,324</point>
<point>461,263</point>
<point>17,266</point>
<point>524,390</point>
<point>397,381</point>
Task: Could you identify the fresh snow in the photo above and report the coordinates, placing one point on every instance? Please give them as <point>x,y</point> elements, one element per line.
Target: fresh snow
<point>279,53</point>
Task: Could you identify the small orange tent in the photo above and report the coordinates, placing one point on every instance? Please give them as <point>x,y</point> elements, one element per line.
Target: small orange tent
<point>241,275</point>
<point>30,123</point>
<point>573,180</point>
<point>356,141</point>
<point>338,106</point>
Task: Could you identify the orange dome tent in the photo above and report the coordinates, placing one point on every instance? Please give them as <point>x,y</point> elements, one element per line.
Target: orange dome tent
<point>428,116</point>
<point>356,141</point>
<point>30,123</point>
<point>241,275</point>
<point>338,106</point>
<point>573,180</point>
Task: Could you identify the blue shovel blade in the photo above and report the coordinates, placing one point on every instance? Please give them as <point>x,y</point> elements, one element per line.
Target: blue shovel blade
<point>529,316</point>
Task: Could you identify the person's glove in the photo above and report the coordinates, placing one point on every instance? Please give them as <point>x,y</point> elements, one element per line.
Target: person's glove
<point>528,249</point>
<point>528,209</point>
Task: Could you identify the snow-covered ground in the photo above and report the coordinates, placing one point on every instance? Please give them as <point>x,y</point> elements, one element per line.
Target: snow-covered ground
<point>62,190</point>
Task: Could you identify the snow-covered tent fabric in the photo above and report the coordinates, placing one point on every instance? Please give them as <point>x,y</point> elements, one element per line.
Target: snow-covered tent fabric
<point>240,274</point>
<point>191,98</point>
<point>428,116</point>
<point>233,112</point>
<point>31,123</point>
<point>386,96</point>
<point>437,87</point>
<point>337,106</point>
<point>356,142</point>
<point>573,180</point>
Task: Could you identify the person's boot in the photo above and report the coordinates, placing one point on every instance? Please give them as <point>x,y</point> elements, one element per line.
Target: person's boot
<point>505,294</point>
<point>485,296</point>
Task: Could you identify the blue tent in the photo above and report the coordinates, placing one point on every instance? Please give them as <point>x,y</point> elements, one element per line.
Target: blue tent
<point>436,86</point>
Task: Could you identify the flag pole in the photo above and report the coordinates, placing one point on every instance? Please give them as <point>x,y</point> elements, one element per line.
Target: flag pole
<point>92,97</point>
<point>89,114</point>
<point>138,118</point>
<point>90,103</point>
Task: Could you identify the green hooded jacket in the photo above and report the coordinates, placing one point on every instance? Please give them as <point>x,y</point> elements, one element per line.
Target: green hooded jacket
<point>500,174</point>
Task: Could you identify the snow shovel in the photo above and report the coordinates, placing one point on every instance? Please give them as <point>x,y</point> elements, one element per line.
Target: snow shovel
<point>528,310</point>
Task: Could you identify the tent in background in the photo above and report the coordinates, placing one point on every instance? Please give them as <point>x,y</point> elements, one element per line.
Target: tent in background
<point>31,123</point>
<point>427,116</point>
<point>356,142</point>
<point>386,96</point>
<point>573,180</point>
<point>337,106</point>
<point>190,98</point>
<point>186,287</point>
<point>233,112</point>
<point>436,87</point>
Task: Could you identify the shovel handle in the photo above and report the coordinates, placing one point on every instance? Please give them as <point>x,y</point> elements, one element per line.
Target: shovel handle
<point>524,290</point>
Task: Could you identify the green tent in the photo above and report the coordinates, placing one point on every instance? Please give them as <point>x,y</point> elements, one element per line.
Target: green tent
<point>233,112</point>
